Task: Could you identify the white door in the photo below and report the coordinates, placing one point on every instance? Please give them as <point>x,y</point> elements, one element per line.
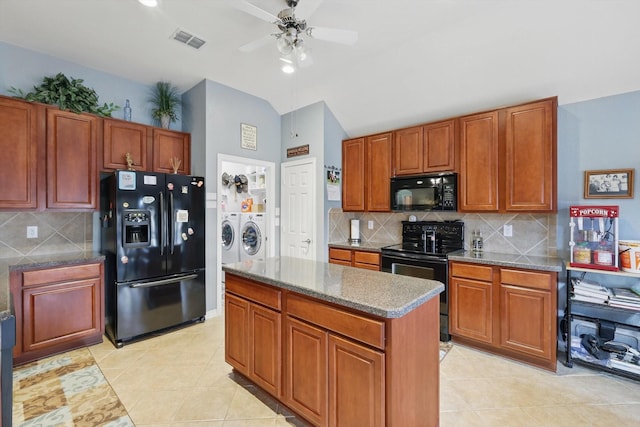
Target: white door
<point>299,214</point>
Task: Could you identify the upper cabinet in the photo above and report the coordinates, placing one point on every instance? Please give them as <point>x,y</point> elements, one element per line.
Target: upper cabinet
<point>171,146</point>
<point>366,173</point>
<point>56,156</point>
<point>72,163</point>
<point>530,157</point>
<point>150,149</point>
<point>428,148</point>
<point>19,151</point>
<point>120,138</point>
<point>508,159</point>
<point>478,178</point>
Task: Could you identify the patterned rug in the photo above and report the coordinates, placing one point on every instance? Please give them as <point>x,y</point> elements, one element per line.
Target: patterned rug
<point>65,390</point>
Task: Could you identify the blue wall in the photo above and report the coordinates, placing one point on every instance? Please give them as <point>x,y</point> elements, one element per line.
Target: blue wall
<point>24,69</point>
<point>598,134</point>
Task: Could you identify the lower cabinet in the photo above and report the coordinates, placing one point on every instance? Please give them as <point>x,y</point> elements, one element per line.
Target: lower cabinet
<point>253,332</point>
<point>355,258</point>
<point>339,367</point>
<point>505,310</point>
<point>57,309</point>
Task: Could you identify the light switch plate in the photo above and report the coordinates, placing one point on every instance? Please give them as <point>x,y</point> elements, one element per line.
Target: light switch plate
<point>370,225</point>
<point>32,232</point>
<point>507,230</point>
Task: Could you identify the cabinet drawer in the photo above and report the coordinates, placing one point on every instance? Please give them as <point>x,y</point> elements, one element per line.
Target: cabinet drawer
<point>340,254</point>
<point>527,279</point>
<point>366,258</point>
<point>366,330</point>
<point>471,271</point>
<point>52,275</point>
<point>253,291</point>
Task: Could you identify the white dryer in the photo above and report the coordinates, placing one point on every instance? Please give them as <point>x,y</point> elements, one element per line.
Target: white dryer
<point>252,234</point>
<point>230,237</point>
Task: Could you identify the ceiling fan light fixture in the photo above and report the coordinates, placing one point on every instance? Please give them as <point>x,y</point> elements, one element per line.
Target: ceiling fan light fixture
<point>284,46</point>
<point>149,3</point>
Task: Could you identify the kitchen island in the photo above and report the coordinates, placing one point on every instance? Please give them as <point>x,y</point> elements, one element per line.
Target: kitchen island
<point>338,345</point>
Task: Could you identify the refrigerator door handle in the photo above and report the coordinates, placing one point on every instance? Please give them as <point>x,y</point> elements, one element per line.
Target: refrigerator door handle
<point>162,224</point>
<point>163,281</point>
<point>173,221</point>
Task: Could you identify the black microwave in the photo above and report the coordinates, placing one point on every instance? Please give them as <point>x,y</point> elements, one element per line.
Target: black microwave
<point>436,192</point>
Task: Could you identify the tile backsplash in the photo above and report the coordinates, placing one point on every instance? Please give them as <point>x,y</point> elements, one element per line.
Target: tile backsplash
<point>57,233</point>
<point>533,234</point>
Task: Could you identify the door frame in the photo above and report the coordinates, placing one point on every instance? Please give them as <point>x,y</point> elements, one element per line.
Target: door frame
<point>318,221</point>
<point>270,210</point>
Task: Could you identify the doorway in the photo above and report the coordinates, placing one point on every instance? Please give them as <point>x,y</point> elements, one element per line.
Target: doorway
<point>245,195</point>
<point>299,228</point>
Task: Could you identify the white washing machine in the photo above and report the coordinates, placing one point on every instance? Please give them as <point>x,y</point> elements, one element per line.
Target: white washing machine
<point>230,237</point>
<point>252,236</point>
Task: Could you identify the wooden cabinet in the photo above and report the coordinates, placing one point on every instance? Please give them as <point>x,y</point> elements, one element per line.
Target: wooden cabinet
<point>471,302</point>
<point>332,380</point>
<point>531,157</point>
<point>408,151</point>
<point>425,149</point>
<point>253,332</point>
<point>340,367</point>
<point>169,145</point>
<point>352,369</point>
<point>478,179</point>
<point>508,159</point>
<point>122,137</point>
<point>505,310</point>
<point>306,390</point>
<point>151,149</point>
<point>57,309</point>
<point>72,169</point>
<point>20,150</point>
<point>366,171</point>
<point>355,258</point>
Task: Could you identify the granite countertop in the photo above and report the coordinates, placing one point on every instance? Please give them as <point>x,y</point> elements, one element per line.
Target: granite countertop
<point>381,294</point>
<point>509,260</point>
<point>8,265</point>
<point>364,246</point>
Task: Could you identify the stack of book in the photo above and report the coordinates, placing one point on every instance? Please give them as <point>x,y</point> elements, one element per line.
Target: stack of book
<point>624,298</point>
<point>590,292</point>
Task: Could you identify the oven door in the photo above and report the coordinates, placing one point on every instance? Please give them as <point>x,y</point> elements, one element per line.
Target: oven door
<point>423,267</point>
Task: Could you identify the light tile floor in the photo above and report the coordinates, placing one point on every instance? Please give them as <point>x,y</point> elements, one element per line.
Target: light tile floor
<point>181,379</point>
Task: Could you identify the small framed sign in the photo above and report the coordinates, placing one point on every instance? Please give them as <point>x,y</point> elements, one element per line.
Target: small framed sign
<point>249,137</point>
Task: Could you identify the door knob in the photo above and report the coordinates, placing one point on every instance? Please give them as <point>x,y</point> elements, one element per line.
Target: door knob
<point>308,241</point>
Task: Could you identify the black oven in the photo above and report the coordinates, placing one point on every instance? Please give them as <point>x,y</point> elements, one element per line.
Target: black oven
<point>434,268</point>
<point>423,254</point>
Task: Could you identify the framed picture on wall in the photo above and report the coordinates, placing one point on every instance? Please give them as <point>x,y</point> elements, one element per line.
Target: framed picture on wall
<point>608,184</point>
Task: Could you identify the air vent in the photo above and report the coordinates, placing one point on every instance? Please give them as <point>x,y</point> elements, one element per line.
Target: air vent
<point>188,39</point>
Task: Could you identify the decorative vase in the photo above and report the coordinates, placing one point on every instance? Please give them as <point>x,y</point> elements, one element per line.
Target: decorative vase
<point>165,121</point>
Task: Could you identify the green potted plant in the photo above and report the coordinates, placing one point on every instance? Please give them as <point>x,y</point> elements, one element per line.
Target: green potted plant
<point>67,94</point>
<point>165,98</point>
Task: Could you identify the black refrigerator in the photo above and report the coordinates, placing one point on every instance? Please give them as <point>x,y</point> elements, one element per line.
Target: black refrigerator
<point>153,238</point>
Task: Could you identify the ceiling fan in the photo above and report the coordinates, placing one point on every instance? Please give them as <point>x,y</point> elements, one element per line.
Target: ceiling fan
<point>292,28</point>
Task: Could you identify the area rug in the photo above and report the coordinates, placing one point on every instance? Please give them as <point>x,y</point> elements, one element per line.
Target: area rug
<point>65,390</point>
<point>444,349</point>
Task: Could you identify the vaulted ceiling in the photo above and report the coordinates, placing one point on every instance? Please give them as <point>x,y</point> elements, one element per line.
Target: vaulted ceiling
<point>414,61</point>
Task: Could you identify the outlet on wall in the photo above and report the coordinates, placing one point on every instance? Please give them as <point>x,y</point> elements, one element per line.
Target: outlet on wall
<point>32,232</point>
<point>370,225</point>
<point>507,230</point>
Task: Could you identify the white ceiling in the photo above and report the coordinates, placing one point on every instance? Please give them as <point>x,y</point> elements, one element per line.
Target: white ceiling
<point>415,60</point>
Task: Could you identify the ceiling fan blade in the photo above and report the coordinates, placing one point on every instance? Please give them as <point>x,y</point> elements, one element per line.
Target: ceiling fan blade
<point>335,35</point>
<point>306,8</point>
<point>256,44</point>
<point>251,9</point>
